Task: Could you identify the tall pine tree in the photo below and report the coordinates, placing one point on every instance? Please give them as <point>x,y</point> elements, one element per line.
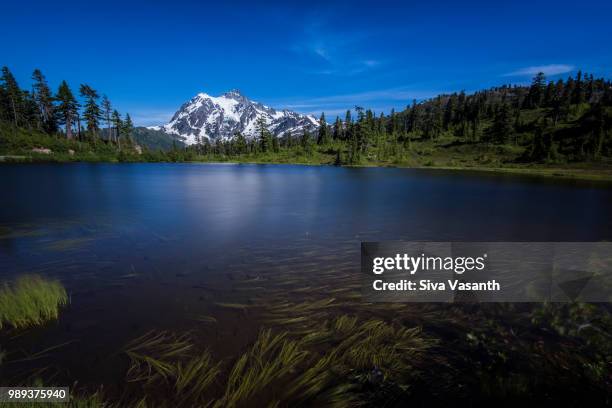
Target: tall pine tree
<point>44,101</point>
<point>91,112</point>
<point>106,110</point>
<point>67,107</point>
<point>117,126</point>
<point>536,91</point>
<point>323,136</point>
<point>14,95</point>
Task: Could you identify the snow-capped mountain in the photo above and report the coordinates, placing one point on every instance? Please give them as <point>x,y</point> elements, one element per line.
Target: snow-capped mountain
<point>214,117</point>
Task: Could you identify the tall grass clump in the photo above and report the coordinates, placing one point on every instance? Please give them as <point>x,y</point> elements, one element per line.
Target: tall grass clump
<point>30,300</point>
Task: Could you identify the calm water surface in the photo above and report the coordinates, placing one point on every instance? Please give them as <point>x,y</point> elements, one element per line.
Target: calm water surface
<point>143,246</point>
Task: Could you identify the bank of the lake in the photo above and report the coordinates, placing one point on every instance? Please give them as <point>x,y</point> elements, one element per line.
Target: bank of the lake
<point>579,171</point>
<point>447,153</point>
<point>582,172</point>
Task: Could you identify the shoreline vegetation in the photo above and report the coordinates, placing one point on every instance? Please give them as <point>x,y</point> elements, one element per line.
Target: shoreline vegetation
<point>556,128</point>
<point>551,128</point>
<point>32,147</point>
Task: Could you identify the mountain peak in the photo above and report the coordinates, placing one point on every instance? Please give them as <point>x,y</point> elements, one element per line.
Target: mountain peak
<point>221,117</point>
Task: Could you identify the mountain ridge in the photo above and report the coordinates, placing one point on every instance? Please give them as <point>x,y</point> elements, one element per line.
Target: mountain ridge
<point>221,117</point>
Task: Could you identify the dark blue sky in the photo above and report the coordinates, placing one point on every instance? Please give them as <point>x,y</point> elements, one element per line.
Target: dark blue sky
<point>149,57</point>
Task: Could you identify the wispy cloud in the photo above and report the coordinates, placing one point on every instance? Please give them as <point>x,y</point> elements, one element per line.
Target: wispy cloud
<point>368,96</point>
<point>347,68</point>
<point>321,52</point>
<point>326,52</point>
<point>383,99</point>
<point>150,117</point>
<point>551,69</point>
<point>371,63</point>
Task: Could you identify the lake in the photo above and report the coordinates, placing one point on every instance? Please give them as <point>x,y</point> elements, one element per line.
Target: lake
<point>170,246</point>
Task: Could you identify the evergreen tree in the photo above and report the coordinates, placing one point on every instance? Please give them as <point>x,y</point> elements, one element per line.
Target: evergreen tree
<point>338,129</point>
<point>502,125</point>
<point>117,126</point>
<point>106,109</point>
<point>92,112</point>
<point>536,91</point>
<point>353,146</point>
<point>590,89</point>
<point>44,101</point>
<point>264,134</point>
<point>348,126</point>
<point>549,94</point>
<point>568,92</point>
<point>241,143</point>
<point>433,119</point>
<point>543,146</point>
<point>306,142</point>
<point>578,94</point>
<point>517,124</point>
<point>449,111</point>
<point>30,115</point>
<point>13,93</point>
<point>128,128</point>
<point>393,123</point>
<point>275,144</point>
<point>67,107</point>
<point>323,137</point>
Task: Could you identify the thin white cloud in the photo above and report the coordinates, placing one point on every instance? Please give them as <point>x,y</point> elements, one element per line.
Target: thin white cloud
<point>371,63</point>
<point>551,69</point>
<point>327,52</point>
<point>377,100</point>
<point>395,94</point>
<point>144,117</point>
<point>348,69</point>
<point>322,52</point>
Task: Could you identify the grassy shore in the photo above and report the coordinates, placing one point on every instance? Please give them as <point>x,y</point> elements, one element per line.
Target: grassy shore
<point>448,153</point>
<point>428,155</point>
<point>582,171</point>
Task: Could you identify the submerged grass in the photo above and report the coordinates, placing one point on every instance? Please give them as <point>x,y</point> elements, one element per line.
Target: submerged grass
<point>195,376</point>
<point>153,354</point>
<point>68,244</point>
<point>170,362</point>
<point>270,359</point>
<point>330,366</point>
<point>30,300</point>
<point>233,306</point>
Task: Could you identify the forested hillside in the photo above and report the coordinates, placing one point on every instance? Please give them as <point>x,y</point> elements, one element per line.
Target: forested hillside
<point>556,123</point>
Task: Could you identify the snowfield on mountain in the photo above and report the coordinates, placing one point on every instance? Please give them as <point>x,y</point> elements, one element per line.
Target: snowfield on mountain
<point>222,117</point>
